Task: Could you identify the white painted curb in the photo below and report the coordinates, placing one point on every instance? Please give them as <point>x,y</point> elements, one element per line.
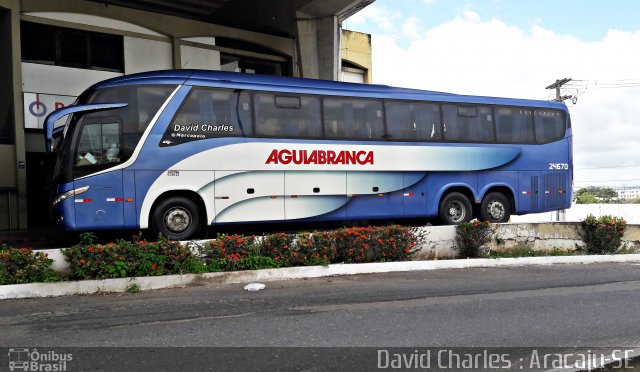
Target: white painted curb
<point>16,291</point>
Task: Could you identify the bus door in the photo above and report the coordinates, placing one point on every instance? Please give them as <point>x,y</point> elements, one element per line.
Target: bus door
<point>99,148</point>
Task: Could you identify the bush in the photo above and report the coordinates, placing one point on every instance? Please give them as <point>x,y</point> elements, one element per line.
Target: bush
<point>235,252</point>
<point>279,247</point>
<point>372,244</point>
<point>22,265</point>
<point>471,236</point>
<point>318,248</point>
<point>602,235</point>
<point>128,258</point>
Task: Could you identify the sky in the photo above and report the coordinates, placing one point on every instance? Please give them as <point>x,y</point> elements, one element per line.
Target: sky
<point>516,48</point>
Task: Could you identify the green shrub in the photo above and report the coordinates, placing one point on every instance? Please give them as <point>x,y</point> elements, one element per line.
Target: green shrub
<point>602,235</point>
<point>22,265</point>
<point>471,236</point>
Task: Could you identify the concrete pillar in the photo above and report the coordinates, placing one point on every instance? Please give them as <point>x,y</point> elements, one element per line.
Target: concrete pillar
<point>14,79</point>
<point>319,47</point>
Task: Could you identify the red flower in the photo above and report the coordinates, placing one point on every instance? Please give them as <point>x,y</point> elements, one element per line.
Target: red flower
<point>240,241</point>
<point>90,249</point>
<point>153,266</point>
<point>142,242</point>
<point>24,250</point>
<point>82,262</point>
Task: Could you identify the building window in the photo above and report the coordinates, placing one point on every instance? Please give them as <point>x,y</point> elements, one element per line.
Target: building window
<point>68,47</point>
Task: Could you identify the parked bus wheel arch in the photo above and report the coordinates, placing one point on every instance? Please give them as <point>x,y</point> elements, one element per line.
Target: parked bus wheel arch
<point>455,206</point>
<point>178,215</point>
<point>497,205</point>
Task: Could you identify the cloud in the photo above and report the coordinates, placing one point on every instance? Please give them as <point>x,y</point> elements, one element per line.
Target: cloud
<point>469,55</point>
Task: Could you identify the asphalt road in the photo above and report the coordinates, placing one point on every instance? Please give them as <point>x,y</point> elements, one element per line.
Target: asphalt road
<point>563,306</point>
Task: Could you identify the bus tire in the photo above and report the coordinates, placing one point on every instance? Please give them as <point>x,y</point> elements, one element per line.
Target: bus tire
<point>495,208</point>
<point>455,208</point>
<point>176,218</point>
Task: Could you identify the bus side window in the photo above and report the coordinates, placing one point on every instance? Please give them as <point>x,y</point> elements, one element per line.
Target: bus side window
<point>413,121</point>
<point>348,118</point>
<point>514,125</point>
<point>210,113</point>
<point>287,116</point>
<point>549,124</point>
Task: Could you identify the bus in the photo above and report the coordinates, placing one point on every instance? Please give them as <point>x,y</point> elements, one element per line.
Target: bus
<point>179,151</point>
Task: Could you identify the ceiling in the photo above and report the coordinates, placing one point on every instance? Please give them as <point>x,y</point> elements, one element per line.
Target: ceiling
<point>275,17</point>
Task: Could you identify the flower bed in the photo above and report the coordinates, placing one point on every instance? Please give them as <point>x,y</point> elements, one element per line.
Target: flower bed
<point>23,265</point>
<point>138,257</point>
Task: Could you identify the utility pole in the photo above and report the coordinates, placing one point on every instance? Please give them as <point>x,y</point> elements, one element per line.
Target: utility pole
<point>561,215</point>
<point>557,85</point>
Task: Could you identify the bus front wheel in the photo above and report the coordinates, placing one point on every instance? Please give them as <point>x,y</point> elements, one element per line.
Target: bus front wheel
<point>176,218</point>
<point>455,208</point>
<point>495,208</point>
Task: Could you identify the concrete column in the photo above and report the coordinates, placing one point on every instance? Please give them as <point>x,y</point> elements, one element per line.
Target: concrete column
<point>177,55</point>
<point>14,77</point>
<point>319,47</point>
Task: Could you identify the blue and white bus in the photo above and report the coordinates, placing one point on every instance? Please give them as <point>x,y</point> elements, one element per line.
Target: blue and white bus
<point>179,151</point>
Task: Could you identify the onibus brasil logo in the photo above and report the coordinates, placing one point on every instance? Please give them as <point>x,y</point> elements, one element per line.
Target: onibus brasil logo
<point>24,359</point>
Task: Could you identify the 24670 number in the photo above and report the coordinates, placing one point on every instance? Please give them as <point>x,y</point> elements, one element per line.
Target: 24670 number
<point>558,166</point>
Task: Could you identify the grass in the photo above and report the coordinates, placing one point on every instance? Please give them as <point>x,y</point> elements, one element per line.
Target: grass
<point>524,251</point>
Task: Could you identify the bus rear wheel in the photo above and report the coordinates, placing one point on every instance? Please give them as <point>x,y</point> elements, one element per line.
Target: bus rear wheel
<point>176,218</point>
<point>455,208</point>
<point>495,208</point>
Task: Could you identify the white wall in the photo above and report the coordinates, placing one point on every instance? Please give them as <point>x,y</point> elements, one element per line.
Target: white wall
<point>142,55</point>
<point>199,58</point>
<point>59,80</point>
<point>577,212</point>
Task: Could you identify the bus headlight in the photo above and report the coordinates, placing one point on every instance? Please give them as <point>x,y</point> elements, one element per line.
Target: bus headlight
<point>68,194</point>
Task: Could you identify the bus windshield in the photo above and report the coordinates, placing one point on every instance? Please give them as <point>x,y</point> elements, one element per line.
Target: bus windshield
<point>98,140</point>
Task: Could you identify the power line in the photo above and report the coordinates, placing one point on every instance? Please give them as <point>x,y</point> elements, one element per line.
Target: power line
<point>609,167</point>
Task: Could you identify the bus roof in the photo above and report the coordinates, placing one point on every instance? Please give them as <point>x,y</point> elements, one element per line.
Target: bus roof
<point>309,86</point>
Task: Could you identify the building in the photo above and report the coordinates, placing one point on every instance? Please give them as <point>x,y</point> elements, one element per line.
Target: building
<point>53,50</point>
<point>632,192</point>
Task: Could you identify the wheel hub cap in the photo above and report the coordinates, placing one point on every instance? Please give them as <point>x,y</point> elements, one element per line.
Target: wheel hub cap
<point>456,211</point>
<point>177,219</point>
<point>496,210</point>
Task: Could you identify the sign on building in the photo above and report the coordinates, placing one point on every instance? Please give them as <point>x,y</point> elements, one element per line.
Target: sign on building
<point>37,106</point>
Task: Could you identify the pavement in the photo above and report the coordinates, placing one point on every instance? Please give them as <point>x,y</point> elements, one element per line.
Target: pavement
<point>340,323</point>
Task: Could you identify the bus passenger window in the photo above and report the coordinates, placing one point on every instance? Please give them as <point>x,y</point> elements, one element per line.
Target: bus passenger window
<point>549,124</point>
<point>210,113</point>
<point>348,118</point>
<point>287,116</point>
<point>514,125</point>
<point>468,123</point>
<point>413,121</point>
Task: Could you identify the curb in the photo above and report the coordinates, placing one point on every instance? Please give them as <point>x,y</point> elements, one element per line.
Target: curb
<point>36,290</point>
